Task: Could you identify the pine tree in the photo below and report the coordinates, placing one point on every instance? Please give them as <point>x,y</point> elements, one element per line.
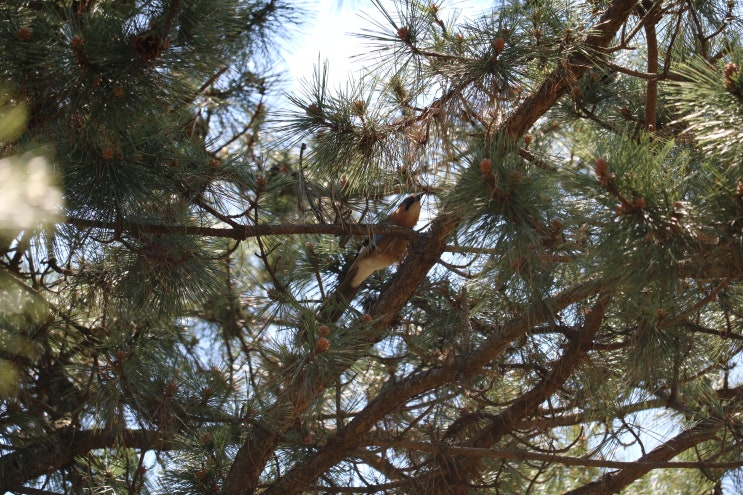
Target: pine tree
<point>566,319</point>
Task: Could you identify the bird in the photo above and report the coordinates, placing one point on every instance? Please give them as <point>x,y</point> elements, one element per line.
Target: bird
<point>378,253</point>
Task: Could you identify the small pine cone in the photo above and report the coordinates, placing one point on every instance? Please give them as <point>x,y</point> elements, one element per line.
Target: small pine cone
<point>323,345</point>
<point>486,166</point>
<point>601,168</point>
<point>498,45</point>
<point>404,34</point>
<point>358,108</point>
<point>76,121</point>
<point>731,70</point>
<point>149,46</point>
<point>366,318</point>
<point>170,388</point>
<point>275,294</point>
<point>313,110</point>
<point>324,330</point>
<point>24,34</point>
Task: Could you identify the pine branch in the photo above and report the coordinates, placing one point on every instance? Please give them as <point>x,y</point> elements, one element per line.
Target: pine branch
<point>525,455</point>
<point>422,255</point>
<point>396,392</point>
<point>34,491</point>
<point>614,482</point>
<point>650,19</point>
<point>30,462</point>
<point>455,472</point>
<point>560,81</point>
<point>544,419</point>
<point>242,232</point>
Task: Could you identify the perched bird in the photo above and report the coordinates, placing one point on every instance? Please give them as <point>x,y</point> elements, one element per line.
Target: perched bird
<point>380,252</point>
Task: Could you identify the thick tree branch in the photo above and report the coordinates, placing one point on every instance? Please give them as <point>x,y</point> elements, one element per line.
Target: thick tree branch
<point>457,471</point>
<point>395,393</point>
<point>651,8</point>
<point>32,461</point>
<point>615,481</point>
<point>524,455</point>
<point>560,81</point>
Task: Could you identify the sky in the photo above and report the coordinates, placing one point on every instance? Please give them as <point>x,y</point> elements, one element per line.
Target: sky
<point>329,35</point>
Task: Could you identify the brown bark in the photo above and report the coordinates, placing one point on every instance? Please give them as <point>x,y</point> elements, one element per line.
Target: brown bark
<point>45,456</point>
<point>616,481</point>
<point>242,232</point>
<point>526,455</point>
<point>561,80</point>
<point>651,10</point>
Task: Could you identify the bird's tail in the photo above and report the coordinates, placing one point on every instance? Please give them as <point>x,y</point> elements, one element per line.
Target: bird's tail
<point>335,304</point>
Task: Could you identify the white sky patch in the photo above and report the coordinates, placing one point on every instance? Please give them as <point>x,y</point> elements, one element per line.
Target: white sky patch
<point>330,36</point>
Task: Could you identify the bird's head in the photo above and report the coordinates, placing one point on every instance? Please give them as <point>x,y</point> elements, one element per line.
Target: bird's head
<point>407,213</point>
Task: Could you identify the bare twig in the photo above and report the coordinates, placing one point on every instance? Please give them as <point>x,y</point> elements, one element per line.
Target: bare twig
<point>241,232</point>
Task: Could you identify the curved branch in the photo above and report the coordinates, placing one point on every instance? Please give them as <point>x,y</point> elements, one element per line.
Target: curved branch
<point>559,81</point>
<point>456,471</point>
<point>32,461</point>
<point>524,455</point>
<point>615,481</point>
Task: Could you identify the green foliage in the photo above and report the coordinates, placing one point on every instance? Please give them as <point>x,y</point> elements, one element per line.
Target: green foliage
<point>567,318</point>
<point>717,98</point>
